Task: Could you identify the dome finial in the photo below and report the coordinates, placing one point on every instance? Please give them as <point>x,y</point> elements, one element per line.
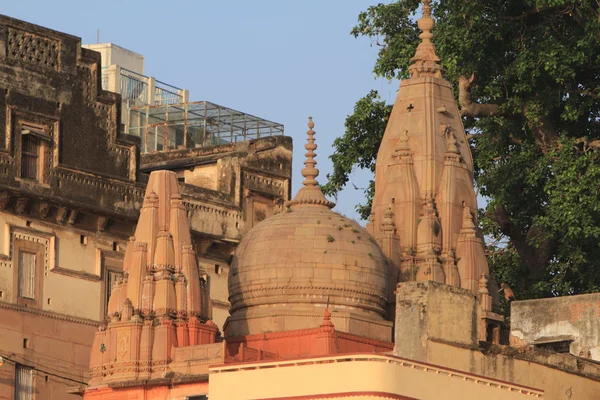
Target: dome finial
<point>310,193</point>
<point>310,172</point>
<point>426,61</point>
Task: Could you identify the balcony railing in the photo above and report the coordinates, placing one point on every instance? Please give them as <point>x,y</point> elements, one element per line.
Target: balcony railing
<point>140,88</point>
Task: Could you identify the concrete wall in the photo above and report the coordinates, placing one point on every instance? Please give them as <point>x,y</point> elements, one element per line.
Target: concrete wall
<point>117,55</point>
<point>575,318</point>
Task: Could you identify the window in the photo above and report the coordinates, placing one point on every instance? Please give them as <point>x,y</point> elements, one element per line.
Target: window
<point>28,273</point>
<point>23,383</point>
<point>30,154</point>
<point>111,280</point>
<point>34,140</point>
<point>27,282</point>
<point>559,346</point>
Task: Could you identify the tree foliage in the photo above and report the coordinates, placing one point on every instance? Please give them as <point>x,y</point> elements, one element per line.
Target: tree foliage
<point>527,76</point>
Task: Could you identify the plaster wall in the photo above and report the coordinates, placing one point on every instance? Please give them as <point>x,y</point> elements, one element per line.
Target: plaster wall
<point>117,55</point>
<point>217,272</point>
<point>575,318</point>
<point>205,176</point>
<point>73,280</point>
<point>56,345</point>
<point>357,376</point>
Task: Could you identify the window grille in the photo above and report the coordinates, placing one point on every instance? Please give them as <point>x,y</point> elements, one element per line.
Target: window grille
<point>30,154</point>
<point>23,383</point>
<point>27,275</point>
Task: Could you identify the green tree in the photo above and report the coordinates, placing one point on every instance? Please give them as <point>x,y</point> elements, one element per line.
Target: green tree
<point>527,76</point>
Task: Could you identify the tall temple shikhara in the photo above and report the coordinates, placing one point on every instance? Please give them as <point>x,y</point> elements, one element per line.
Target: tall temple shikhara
<point>322,308</point>
<point>424,209</point>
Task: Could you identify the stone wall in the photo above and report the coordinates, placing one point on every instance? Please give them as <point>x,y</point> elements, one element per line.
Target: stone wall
<point>430,310</point>
<point>574,319</point>
<point>438,324</point>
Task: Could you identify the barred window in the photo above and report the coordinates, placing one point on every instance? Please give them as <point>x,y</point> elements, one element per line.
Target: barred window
<point>23,383</point>
<point>27,274</point>
<point>30,154</point>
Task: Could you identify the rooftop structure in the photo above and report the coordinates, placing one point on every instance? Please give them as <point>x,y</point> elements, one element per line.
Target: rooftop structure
<point>162,115</point>
<point>195,124</point>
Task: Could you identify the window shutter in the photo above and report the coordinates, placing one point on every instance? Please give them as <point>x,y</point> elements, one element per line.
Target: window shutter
<point>29,157</point>
<point>23,383</point>
<point>27,275</point>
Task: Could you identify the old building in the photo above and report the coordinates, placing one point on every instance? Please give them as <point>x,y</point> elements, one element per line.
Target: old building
<point>72,183</point>
<point>319,307</point>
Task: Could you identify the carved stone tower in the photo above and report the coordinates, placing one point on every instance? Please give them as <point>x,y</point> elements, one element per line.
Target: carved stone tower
<point>424,210</point>
<point>161,302</point>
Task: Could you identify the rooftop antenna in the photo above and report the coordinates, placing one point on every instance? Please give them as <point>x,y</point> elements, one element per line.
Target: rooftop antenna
<point>97,36</point>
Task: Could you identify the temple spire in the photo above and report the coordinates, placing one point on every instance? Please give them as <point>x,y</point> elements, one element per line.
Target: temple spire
<point>426,61</point>
<point>310,193</point>
<point>310,172</point>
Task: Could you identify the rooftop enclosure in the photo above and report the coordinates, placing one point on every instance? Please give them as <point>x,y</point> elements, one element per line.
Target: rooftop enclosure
<point>195,124</point>
<point>138,89</point>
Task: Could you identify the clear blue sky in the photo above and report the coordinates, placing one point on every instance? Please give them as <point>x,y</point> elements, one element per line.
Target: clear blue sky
<point>282,60</point>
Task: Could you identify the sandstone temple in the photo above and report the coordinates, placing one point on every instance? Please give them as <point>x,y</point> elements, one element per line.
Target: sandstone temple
<point>173,262</point>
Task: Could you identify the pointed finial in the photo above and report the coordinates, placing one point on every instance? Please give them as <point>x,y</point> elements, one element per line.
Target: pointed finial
<point>310,193</point>
<point>310,172</point>
<point>426,61</point>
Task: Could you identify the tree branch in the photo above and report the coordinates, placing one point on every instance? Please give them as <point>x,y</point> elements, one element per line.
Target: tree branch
<point>585,93</point>
<point>468,108</point>
<point>535,257</point>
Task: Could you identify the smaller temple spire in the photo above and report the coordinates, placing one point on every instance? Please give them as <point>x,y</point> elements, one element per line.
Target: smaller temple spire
<point>426,61</point>
<point>310,193</point>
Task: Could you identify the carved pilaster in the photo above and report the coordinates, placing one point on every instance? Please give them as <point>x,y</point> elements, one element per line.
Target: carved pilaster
<point>21,206</point>
<point>4,199</point>
<point>61,214</point>
<point>43,210</point>
<point>72,217</point>
<point>101,224</point>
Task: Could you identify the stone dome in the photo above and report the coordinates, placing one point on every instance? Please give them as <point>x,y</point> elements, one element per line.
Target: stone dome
<point>289,267</point>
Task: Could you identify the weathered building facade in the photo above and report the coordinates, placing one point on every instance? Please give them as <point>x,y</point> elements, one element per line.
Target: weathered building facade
<point>318,307</point>
<point>71,190</point>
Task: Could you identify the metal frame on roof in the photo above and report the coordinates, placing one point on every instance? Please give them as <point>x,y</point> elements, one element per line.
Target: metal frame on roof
<point>195,124</point>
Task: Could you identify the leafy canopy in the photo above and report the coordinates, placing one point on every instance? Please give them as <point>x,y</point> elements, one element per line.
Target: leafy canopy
<point>537,154</point>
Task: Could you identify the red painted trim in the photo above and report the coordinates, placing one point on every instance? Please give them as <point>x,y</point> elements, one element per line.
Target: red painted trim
<point>383,395</point>
<point>341,355</point>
